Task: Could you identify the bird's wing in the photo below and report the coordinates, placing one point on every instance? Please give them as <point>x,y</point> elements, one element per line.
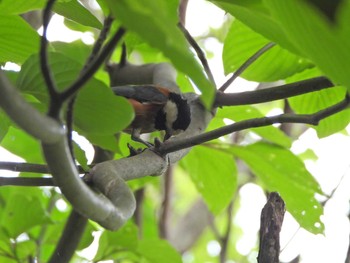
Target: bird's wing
<point>143,93</point>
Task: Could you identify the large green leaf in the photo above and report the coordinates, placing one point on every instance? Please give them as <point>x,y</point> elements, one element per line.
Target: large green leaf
<point>156,23</point>
<point>22,211</point>
<point>326,44</point>
<point>10,7</point>
<point>17,39</point>
<point>254,14</point>
<point>97,109</point>
<point>280,170</point>
<point>270,133</point>
<point>215,175</point>
<point>158,251</point>
<point>313,102</point>
<point>74,10</point>
<point>20,143</point>
<point>241,42</point>
<point>111,243</point>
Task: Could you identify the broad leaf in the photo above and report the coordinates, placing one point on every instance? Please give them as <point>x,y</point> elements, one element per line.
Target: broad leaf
<point>280,170</point>
<point>156,23</point>
<point>326,44</point>
<point>313,102</point>
<point>21,144</point>
<point>111,243</point>
<point>158,251</point>
<point>270,133</point>
<point>10,7</point>
<point>17,39</point>
<point>97,109</point>
<point>75,11</point>
<point>214,174</point>
<point>241,42</point>
<point>22,212</point>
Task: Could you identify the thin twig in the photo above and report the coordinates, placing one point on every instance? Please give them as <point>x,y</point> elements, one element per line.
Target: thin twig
<point>29,167</point>
<point>245,65</point>
<point>312,119</point>
<point>199,52</point>
<point>95,50</point>
<point>123,56</point>
<point>226,238</point>
<point>94,66</point>
<point>55,102</point>
<point>27,181</point>
<point>274,93</point>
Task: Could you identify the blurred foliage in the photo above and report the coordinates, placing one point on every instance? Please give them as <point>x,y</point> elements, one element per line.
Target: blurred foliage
<point>30,218</point>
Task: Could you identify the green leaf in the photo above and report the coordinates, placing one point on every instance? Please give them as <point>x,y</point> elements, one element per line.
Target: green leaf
<point>76,50</point>
<point>21,144</point>
<point>270,133</point>
<point>241,43</point>
<point>158,251</point>
<point>111,243</point>
<point>80,156</point>
<point>26,249</point>
<point>17,39</point>
<point>22,212</point>
<point>280,170</point>
<point>9,7</point>
<point>313,102</point>
<point>215,178</point>
<point>327,45</point>
<point>156,23</point>
<point>255,15</point>
<point>97,110</point>
<point>75,11</point>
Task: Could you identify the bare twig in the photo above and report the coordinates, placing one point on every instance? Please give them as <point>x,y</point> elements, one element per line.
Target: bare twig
<point>95,50</point>
<point>29,167</point>
<point>199,52</point>
<point>43,52</point>
<point>245,65</point>
<point>27,181</point>
<point>271,222</point>
<point>274,93</point>
<point>138,215</point>
<point>182,11</point>
<point>226,237</point>
<point>312,119</point>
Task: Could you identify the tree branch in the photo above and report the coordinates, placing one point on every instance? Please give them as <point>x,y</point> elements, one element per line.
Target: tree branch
<point>245,65</point>
<point>312,119</point>
<point>274,93</point>
<point>271,222</point>
<point>27,181</point>
<point>30,167</point>
<point>199,52</point>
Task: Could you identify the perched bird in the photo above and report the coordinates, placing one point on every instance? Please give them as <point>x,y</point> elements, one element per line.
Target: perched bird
<point>156,109</point>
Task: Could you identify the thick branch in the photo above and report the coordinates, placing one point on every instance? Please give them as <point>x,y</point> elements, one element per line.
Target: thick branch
<point>312,119</point>
<point>270,226</point>
<point>271,94</point>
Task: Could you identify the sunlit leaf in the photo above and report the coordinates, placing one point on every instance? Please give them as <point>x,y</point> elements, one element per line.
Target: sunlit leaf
<point>241,43</point>
<point>149,250</point>
<point>17,39</point>
<point>270,133</point>
<point>281,171</point>
<point>215,178</point>
<point>9,7</point>
<point>75,11</point>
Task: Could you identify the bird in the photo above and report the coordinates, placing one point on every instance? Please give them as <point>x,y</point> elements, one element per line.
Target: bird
<point>156,109</point>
